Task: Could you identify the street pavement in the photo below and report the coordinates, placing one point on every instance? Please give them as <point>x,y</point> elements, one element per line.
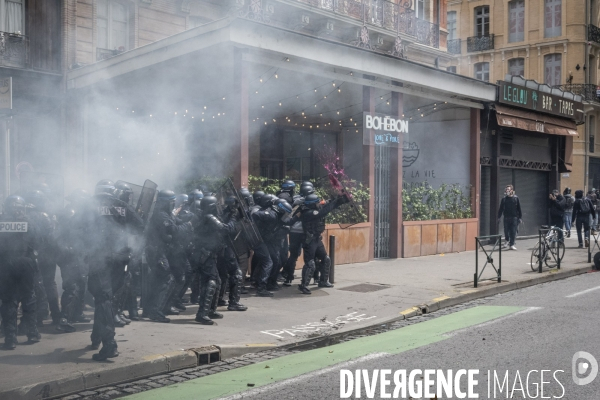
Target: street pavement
<point>513,336</point>
<point>395,286</point>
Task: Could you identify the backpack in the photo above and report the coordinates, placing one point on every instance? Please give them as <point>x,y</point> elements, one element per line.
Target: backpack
<point>570,201</point>
<point>584,206</point>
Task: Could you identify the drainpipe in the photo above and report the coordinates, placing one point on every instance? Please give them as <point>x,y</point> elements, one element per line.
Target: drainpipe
<point>586,81</point>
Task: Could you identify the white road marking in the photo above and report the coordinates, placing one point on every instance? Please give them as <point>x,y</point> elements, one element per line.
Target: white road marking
<point>286,382</point>
<point>584,292</point>
<point>525,311</point>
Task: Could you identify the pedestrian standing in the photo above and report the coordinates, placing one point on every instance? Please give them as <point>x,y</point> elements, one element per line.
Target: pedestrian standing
<point>582,209</point>
<point>594,199</point>
<point>557,205</point>
<point>569,201</point>
<point>510,207</point>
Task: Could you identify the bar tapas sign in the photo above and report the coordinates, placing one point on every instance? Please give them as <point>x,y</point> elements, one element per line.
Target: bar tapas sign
<point>536,100</point>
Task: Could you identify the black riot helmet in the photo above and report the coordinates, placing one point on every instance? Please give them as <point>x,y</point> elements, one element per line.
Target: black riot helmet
<point>197,207</point>
<point>194,195</point>
<point>267,200</point>
<point>567,191</point>
<point>282,207</point>
<point>181,199</point>
<point>288,186</point>
<point>105,186</point>
<point>307,183</point>
<point>15,205</point>
<point>37,199</point>
<point>247,196</point>
<point>208,205</point>
<point>231,201</point>
<point>123,192</point>
<point>165,201</point>
<point>305,190</point>
<point>311,201</point>
<point>257,196</point>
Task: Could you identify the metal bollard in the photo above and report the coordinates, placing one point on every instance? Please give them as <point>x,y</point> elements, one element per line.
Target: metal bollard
<point>332,257</point>
<point>500,261</point>
<point>540,257</point>
<point>589,245</point>
<point>477,244</point>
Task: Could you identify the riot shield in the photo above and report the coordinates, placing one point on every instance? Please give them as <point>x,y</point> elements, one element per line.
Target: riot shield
<point>146,200</point>
<point>342,190</point>
<point>51,184</point>
<point>247,236</point>
<point>137,191</point>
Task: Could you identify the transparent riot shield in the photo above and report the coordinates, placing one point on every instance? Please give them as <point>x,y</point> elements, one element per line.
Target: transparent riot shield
<point>247,236</point>
<point>137,191</point>
<point>53,186</point>
<point>144,207</point>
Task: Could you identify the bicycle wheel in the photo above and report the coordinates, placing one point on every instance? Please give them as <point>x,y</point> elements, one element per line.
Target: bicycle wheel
<point>535,257</point>
<point>556,252</point>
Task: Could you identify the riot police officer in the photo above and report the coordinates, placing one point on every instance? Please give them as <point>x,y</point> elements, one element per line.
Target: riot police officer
<point>18,241</point>
<point>182,248</point>
<point>296,234</point>
<point>209,235</point>
<point>313,223</point>
<point>163,230</point>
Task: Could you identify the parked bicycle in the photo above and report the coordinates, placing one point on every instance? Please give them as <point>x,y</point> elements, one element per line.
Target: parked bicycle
<point>551,250</point>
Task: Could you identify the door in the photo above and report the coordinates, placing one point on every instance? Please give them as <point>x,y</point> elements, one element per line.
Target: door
<point>382,202</point>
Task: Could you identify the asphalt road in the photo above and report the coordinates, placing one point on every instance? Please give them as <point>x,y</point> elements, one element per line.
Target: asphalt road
<point>520,332</point>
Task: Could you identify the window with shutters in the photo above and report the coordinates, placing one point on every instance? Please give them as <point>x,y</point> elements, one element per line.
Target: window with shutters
<point>482,21</point>
<point>552,18</point>
<point>12,16</point>
<point>451,25</point>
<point>112,25</point>
<point>516,21</point>
<point>516,66</point>
<point>552,69</point>
<point>482,71</point>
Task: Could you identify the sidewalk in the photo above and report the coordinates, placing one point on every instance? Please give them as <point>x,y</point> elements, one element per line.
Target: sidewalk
<point>365,294</point>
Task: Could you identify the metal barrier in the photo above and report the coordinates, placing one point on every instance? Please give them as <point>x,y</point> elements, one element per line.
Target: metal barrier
<point>332,257</point>
<point>489,258</point>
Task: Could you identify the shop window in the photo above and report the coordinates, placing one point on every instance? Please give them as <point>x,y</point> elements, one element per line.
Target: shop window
<point>516,21</point>
<point>482,71</point>
<point>592,131</point>
<point>451,69</point>
<point>482,21</point>
<point>12,16</point>
<point>112,25</point>
<point>451,25</point>
<point>552,69</point>
<point>516,66</point>
<point>303,153</point>
<point>552,18</point>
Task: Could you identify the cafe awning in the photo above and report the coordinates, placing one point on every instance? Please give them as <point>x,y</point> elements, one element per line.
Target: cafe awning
<point>532,121</point>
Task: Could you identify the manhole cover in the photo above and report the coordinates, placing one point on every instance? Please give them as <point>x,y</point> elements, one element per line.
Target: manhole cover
<point>365,287</point>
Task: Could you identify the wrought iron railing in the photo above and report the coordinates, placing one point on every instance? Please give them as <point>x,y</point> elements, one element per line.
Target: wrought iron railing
<point>480,43</point>
<point>386,14</point>
<point>454,46</point>
<point>103,54</point>
<point>593,33</point>
<point>14,50</point>
<point>586,90</point>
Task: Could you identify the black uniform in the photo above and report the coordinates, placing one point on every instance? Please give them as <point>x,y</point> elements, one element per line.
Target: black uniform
<point>229,269</point>
<point>267,253</point>
<point>18,240</point>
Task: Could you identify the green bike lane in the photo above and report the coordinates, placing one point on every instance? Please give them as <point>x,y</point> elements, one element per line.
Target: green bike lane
<point>279,369</point>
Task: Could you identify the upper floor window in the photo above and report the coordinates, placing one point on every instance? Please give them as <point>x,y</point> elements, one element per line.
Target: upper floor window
<point>451,69</point>
<point>451,25</point>
<point>553,18</point>
<point>482,71</point>
<point>420,9</point>
<point>12,16</point>
<point>516,66</point>
<point>482,21</point>
<point>552,69</point>
<point>112,23</point>
<point>516,21</point>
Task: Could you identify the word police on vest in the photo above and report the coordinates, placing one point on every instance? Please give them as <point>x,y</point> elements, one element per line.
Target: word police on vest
<point>387,124</point>
<point>13,226</point>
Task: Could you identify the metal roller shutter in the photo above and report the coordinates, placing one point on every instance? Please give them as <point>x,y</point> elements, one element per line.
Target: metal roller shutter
<point>532,189</point>
<point>505,177</point>
<point>484,211</point>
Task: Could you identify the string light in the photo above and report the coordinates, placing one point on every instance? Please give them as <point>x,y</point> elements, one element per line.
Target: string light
<point>175,112</point>
<point>276,77</point>
<point>279,104</point>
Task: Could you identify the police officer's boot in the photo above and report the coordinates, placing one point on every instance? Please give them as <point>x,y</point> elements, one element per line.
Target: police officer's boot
<point>307,274</point>
<point>326,268</point>
<point>234,298</point>
<point>213,314</point>
<point>107,351</point>
<point>205,301</point>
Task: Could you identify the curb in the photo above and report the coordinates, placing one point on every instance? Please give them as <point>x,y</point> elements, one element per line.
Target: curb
<point>169,362</point>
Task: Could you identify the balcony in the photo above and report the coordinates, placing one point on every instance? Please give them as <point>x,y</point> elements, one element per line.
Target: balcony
<point>593,33</point>
<point>14,50</point>
<point>480,43</point>
<point>103,54</point>
<point>397,18</point>
<point>586,90</point>
<point>454,46</point>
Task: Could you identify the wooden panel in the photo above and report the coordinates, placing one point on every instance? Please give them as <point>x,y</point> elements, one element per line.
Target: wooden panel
<point>472,232</point>
<point>412,241</point>
<point>444,238</point>
<point>459,232</point>
<point>351,245</point>
<point>428,240</point>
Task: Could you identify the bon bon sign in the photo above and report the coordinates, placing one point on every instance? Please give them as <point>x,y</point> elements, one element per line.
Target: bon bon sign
<point>384,130</point>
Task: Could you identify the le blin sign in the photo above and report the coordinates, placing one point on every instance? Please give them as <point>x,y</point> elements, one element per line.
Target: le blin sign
<point>535,100</point>
<point>384,130</point>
